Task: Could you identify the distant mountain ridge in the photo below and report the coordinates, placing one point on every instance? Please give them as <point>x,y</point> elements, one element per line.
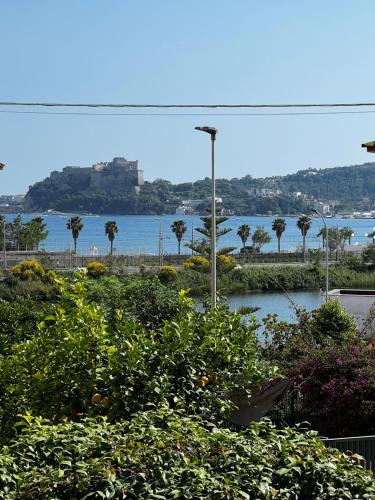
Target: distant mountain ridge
<point>350,187</point>
<point>346,184</point>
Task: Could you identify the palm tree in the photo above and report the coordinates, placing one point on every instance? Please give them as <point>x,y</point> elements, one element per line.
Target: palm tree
<point>304,224</point>
<point>279,226</point>
<point>75,225</point>
<point>260,237</point>
<point>322,233</point>
<point>346,233</point>
<point>244,233</point>
<point>111,230</point>
<point>179,229</point>
<point>371,235</point>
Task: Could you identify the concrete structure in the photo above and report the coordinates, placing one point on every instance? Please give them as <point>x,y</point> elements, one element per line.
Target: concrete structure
<point>264,192</point>
<point>118,175</point>
<point>184,210</point>
<point>361,305</point>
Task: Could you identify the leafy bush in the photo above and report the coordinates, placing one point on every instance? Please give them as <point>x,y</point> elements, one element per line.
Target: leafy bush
<point>369,256</point>
<point>225,263</point>
<point>285,343</point>
<point>18,320</point>
<point>165,454</point>
<point>194,361</point>
<point>197,263</point>
<point>338,388</point>
<point>151,303</point>
<point>353,262</point>
<point>167,274</point>
<point>13,288</point>
<point>96,269</point>
<point>28,270</point>
<point>331,323</point>
<point>145,299</point>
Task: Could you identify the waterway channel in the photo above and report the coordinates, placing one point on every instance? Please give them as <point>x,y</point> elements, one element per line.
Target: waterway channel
<point>277,302</point>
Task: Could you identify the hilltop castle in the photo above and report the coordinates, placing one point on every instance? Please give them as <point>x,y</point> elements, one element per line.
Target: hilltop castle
<point>118,175</point>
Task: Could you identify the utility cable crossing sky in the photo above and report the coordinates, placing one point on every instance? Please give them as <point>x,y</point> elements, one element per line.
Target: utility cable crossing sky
<point>168,106</point>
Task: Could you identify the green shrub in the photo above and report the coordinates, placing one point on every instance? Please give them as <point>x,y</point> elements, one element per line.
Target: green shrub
<point>287,343</point>
<point>96,269</point>
<point>18,320</point>
<point>13,288</point>
<point>28,270</point>
<point>331,323</point>
<point>197,263</point>
<point>225,263</point>
<point>145,299</point>
<point>164,454</point>
<point>193,361</point>
<point>167,274</point>
<point>151,303</point>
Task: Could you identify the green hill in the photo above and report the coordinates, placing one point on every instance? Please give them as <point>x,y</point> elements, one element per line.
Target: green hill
<point>351,187</point>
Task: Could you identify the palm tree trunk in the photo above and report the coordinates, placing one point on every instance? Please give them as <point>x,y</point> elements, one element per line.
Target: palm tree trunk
<point>111,251</point>
<point>75,245</point>
<point>278,244</point>
<point>303,246</point>
<point>179,247</point>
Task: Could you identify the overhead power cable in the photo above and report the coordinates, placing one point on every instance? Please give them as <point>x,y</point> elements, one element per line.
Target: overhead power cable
<point>83,113</point>
<point>189,106</point>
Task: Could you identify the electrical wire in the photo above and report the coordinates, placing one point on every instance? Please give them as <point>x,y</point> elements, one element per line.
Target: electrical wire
<point>170,106</point>
<point>78,113</point>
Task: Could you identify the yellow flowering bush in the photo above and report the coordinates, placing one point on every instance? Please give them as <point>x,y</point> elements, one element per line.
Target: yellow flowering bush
<point>167,274</point>
<point>28,270</point>
<point>96,269</point>
<point>197,263</point>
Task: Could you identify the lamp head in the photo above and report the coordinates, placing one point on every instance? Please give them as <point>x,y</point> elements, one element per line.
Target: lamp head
<point>370,146</point>
<point>209,130</point>
<point>313,211</point>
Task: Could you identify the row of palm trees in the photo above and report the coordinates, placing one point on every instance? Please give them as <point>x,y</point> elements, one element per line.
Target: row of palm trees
<point>75,225</point>
<point>278,226</point>
<point>260,237</point>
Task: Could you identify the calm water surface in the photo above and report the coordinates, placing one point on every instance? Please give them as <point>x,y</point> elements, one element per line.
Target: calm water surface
<point>140,233</point>
<point>277,302</point>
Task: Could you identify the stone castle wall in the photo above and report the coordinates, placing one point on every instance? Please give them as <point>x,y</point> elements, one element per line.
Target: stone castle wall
<point>119,175</point>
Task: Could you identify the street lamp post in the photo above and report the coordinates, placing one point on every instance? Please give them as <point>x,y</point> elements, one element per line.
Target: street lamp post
<point>327,249</point>
<point>212,131</point>
<point>5,243</point>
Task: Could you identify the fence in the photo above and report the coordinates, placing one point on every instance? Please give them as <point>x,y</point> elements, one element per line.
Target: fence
<point>69,260</point>
<point>362,445</point>
<point>288,411</point>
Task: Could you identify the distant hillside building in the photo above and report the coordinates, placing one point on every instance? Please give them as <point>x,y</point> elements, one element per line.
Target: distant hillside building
<point>118,175</point>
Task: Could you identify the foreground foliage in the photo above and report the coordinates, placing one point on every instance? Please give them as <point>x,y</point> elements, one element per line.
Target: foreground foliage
<point>165,454</point>
<point>331,369</point>
<point>338,388</point>
<point>121,389</point>
<point>194,362</point>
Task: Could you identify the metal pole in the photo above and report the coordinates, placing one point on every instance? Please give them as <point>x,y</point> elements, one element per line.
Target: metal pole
<point>327,247</point>
<point>327,250</point>
<point>5,244</point>
<point>213,226</point>
<point>212,131</point>
<point>192,238</point>
<point>162,245</point>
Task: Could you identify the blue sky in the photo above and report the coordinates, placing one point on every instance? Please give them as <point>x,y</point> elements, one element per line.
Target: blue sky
<point>185,51</point>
